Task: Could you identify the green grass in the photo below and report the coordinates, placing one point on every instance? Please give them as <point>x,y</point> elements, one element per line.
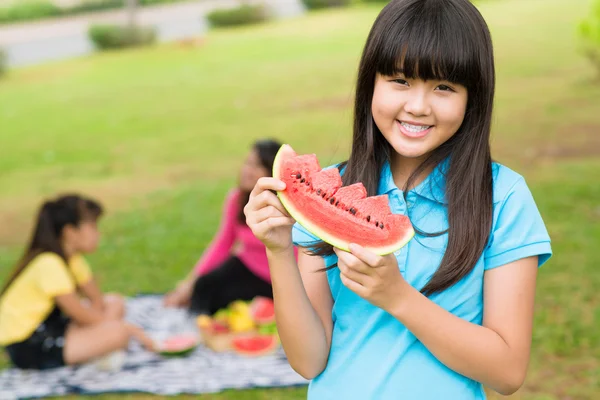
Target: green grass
<point>159,134</point>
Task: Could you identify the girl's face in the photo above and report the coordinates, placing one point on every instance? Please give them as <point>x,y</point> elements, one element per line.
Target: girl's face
<point>252,171</point>
<point>417,116</point>
<point>83,238</point>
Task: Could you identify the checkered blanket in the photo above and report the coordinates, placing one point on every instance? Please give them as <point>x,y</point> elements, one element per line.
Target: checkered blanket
<point>203,371</point>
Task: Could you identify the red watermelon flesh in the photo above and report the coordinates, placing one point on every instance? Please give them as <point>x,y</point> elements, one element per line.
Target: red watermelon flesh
<point>262,310</point>
<point>180,344</point>
<point>338,215</point>
<point>256,345</point>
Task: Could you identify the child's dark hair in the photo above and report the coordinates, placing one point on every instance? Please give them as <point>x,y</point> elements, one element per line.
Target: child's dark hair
<point>267,150</point>
<point>53,217</point>
<point>433,40</point>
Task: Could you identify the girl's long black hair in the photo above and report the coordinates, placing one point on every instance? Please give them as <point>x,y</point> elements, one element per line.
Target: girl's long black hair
<point>439,40</point>
<point>53,216</point>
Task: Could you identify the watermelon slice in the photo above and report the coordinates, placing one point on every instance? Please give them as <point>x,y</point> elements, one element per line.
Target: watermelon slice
<point>179,345</point>
<point>262,310</point>
<point>335,214</point>
<point>255,345</point>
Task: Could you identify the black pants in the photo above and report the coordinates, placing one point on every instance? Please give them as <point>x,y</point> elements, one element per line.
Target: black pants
<point>44,348</point>
<point>229,282</point>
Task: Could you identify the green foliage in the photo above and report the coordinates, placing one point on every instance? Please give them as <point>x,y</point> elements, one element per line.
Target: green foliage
<point>3,62</point>
<point>107,37</point>
<point>317,4</point>
<point>29,10</point>
<point>37,9</point>
<point>242,15</point>
<point>589,32</point>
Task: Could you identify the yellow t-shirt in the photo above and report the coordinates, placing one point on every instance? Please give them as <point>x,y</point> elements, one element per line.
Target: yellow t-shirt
<point>30,298</point>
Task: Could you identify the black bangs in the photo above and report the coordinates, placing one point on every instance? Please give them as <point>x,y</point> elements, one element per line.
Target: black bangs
<point>428,41</point>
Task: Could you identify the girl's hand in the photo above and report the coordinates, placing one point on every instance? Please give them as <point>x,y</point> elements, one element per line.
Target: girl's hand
<point>267,217</point>
<point>375,278</point>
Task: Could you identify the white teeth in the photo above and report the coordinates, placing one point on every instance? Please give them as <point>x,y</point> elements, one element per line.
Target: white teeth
<point>414,128</point>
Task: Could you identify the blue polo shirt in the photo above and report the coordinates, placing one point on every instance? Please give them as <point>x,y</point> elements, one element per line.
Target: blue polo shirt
<point>373,356</point>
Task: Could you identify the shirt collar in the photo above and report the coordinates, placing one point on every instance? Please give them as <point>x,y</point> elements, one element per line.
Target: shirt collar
<point>433,187</point>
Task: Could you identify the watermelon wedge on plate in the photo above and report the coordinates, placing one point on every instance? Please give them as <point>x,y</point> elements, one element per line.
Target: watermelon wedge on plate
<point>178,345</point>
<point>338,215</point>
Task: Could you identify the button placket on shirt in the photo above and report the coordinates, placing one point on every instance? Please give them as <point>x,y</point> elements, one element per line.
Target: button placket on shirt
<point>398,206</point>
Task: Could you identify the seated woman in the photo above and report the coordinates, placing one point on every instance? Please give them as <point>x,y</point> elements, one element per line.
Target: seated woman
<point>234,266</point>
<point>52,312</point>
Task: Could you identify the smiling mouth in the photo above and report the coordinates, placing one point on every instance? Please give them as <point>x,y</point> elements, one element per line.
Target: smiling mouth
<point>415,128</point>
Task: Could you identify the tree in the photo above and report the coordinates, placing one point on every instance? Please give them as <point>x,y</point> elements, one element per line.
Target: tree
<point>589,31</point>
<point>132,6</point>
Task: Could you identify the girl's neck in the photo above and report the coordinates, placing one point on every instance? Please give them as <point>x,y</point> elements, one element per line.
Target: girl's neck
<point>68,249</point>
<point>403,167</point>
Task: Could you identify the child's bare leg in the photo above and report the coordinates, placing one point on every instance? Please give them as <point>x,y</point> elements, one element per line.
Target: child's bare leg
<point>114,306</point>
<point>84,343</point>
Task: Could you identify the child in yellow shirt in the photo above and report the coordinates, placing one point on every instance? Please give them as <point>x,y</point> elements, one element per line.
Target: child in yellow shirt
<point>44,322</point>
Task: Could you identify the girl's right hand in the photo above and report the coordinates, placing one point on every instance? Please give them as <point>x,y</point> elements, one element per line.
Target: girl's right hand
<point>267,217</point>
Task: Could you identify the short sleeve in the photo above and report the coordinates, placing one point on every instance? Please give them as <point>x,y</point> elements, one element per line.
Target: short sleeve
<point>518,230</point>
<point>302,237</point>
<point>81,270</point>
<point>53,277</point>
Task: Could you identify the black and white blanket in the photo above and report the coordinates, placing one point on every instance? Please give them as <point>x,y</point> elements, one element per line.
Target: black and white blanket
<point>203,371</point>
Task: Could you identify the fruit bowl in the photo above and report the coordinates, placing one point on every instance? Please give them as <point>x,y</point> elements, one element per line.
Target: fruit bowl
<point>246,328</point>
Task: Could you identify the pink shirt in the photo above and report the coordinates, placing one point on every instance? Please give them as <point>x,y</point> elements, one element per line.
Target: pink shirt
<point>249,249</point>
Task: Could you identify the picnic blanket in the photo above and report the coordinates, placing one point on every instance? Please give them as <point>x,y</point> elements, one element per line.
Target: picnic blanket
<point>203,371</point>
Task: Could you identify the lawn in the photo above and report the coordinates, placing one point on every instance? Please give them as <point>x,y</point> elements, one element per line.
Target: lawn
<point>158,135</point>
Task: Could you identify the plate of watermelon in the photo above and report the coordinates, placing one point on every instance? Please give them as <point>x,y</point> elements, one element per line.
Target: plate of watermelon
<point>247,328</point>
<point>177,345</point>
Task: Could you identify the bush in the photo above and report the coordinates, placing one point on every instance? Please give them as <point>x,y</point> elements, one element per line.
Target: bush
<point>3,62</point>
<point>23,10</point>
<point>107,37</point>
<point>316,4</point>
<point>243,15</point>
<point>589,31</point>
<point>28,10</point>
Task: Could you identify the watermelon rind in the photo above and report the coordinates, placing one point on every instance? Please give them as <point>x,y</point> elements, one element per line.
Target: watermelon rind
<point>315,229</point>
<point>177,353</point>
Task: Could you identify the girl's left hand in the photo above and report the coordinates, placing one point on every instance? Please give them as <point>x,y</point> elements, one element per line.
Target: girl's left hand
<point>376,279</point>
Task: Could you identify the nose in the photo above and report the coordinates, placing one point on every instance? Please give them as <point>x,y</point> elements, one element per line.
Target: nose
<point>417,103</point>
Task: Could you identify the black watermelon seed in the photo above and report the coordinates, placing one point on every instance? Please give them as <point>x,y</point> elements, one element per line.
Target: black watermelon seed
<point>381,225</point>
<point>302,180</point>
<point>332,200</point>
<point>319,192</point>
<point>298,176</point>
<point>368,218</point>
<point>352,211</point>
<point>377,224</point>
<point>337,203</point>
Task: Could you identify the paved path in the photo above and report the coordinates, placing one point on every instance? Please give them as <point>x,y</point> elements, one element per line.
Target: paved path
<point>37,41</point>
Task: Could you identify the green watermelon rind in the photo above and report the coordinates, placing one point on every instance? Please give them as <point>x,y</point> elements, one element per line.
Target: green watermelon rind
<point>177,353</point>
<point>320,233</point>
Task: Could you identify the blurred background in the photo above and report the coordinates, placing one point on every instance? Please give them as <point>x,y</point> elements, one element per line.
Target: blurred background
<point>151,106</point>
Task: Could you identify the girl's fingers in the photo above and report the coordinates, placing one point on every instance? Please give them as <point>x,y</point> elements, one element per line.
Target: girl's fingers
<point>352,274</point>
<point>263,200</point>
<point>266,184</point>
<point>352,262</point>
<point>267,212</point>
<point>272,223</point>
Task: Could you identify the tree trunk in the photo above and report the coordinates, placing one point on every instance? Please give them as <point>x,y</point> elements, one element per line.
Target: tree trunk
<point>132,6</point>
